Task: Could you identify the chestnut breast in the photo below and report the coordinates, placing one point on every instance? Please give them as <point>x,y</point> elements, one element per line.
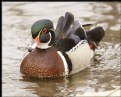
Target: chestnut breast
<point>42,63</point>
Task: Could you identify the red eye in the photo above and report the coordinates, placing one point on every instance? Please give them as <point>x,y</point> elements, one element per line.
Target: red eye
<point>44,30</point>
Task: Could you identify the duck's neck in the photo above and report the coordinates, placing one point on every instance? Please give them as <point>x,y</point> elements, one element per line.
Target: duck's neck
<point>44,46</point>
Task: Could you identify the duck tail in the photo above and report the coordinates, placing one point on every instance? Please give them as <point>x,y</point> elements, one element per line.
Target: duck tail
<point>59,27</point>
<point>77,32</point>
<point>63,25</point>
<point>94,36</point>
<point>68,21</point>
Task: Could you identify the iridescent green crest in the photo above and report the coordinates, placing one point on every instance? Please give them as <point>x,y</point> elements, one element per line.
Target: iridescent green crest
<point>39,25</point>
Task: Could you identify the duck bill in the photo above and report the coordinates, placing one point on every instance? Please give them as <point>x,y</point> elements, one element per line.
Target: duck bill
<point>37,42</point>
<point>34,45</point>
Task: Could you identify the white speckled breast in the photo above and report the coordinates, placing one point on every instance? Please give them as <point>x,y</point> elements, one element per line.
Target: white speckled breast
<point>42,64</point>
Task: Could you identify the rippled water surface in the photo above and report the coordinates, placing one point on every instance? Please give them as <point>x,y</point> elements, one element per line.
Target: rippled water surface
<point>103,75</point>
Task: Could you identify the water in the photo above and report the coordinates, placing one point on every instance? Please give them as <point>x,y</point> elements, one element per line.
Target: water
<point>103,75</point>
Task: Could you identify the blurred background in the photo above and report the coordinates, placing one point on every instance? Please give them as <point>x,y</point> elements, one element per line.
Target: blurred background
<point>103,75</point>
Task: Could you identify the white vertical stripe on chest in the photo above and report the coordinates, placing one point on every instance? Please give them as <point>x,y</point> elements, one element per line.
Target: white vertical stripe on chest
<point>64,62</point>
<point>80,56</point>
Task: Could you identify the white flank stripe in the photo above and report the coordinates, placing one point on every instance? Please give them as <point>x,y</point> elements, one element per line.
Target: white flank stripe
<point>80,56</point>
<point>64,61</point>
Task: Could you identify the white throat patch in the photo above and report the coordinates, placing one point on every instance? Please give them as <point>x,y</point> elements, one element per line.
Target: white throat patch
<point>45,45</point>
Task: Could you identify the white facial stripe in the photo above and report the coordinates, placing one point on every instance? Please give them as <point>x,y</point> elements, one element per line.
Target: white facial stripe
<point>64,62</point>
<point>39,33</point>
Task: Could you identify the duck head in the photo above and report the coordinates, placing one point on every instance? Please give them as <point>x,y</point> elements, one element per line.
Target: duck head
<point>43,34</point>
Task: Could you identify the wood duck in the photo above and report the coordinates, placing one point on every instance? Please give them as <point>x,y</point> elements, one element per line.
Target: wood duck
<point>60,52</point>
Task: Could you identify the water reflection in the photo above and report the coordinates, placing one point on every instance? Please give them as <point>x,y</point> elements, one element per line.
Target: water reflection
<point>59,87</point>
<point>104,74</point>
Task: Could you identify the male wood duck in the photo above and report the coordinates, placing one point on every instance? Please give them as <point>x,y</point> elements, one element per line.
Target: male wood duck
<point>60,52</point>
